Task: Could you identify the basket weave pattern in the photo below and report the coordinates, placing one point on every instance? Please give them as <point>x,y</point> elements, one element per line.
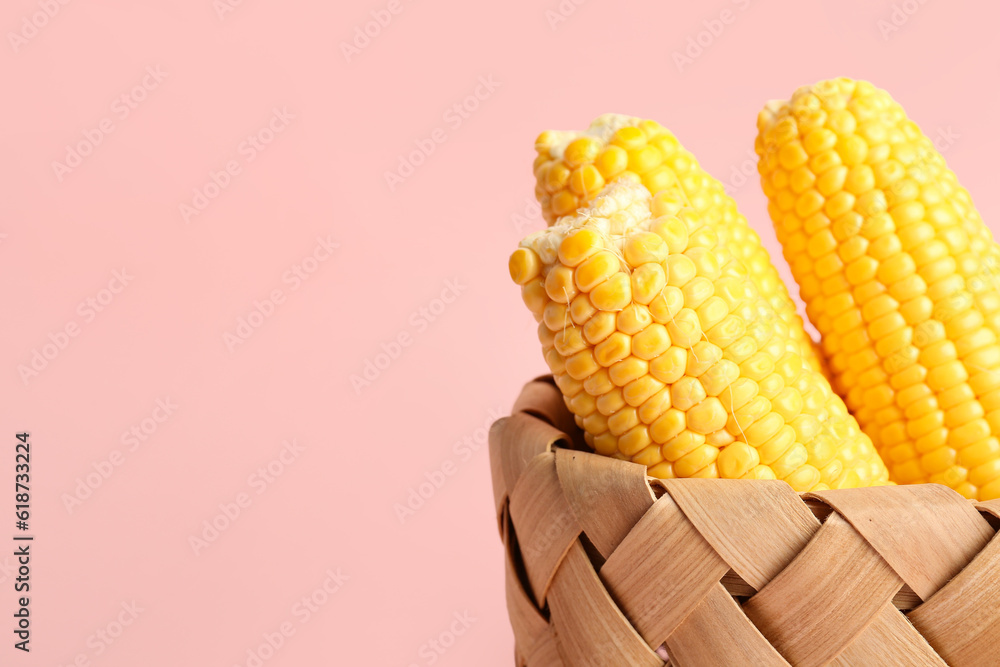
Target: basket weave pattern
<point>605,566</point>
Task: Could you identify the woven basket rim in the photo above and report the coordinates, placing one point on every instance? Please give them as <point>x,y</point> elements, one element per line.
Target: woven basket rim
<point>555,532</point>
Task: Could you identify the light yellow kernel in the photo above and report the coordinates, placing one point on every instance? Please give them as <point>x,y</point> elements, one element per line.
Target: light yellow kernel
<point>668,426</point>
<point>559,284</point>
<point>707,417</point>
<point>599,327</point>
<point>654,406</point>
<point>612,162</point>
<point>581,151</point>
<point>613,294</point>
<point>596,269</point>
<point>609,402</point>
<point>686,393</point>
<point>737,460</point>
<point>643,247</point>
<point>569,340</point>
<point>586,181</point>
<point>680,269</point>
<point>563,202</point>
<point>615,348</point>
<point>695,461</point>
<point>628,370</point>
<point>581,310</point>
<point>682,444</point>
<point>623,421</point>
<point>524,265</point>
<point>629,138</point>
<point>669,366</point>
<point>599,383</point>
<point>581,365</point>
<point>697,291</point>
<point>651,342</point>
<point>685,328</point>
<point>641,388</point>
<point>665,306</point>
<point>633,318</point>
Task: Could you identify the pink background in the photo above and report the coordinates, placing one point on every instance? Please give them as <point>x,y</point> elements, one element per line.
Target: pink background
<point>163,335</point>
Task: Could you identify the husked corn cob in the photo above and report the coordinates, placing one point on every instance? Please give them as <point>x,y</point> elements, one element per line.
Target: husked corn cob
<point>898,273</point>
<point>668,356</point>
<point>572,167</point>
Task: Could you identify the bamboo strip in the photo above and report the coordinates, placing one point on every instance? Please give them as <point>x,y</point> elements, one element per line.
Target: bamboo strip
<point>528,623</point>
<point>661,571</point>
<point>962,621</point>
<point>756,529</point>
<point>825,598</point>
<point>696,641</point>
<point>546,527</point>
<point>891,641</point>
<point>589,628</point>
<point>607,496</point>
<point>546,652</point>
<point>927,533</point>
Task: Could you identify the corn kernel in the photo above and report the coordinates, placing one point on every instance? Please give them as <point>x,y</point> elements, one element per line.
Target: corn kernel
<point>611,162</point>
<point>613,294</point>
<point>581,151</point>
<point>685,329</point>
<point>668,426</point>
<point>680,445</point>
<point>701,457</point>
<point>669,366</point>
<point>599,327</point>
<point>595,270</point>
<point>654,406</point>
<point>686,393</point>
<point>615,348</point>
<point>633,318</point>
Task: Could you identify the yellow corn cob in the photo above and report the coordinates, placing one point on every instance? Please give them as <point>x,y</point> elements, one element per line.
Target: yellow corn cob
<point>572,167</point>
<point>897,271</point>
<point>666,354</point>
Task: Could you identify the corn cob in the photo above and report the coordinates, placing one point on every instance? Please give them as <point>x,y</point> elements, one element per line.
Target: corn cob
<point>572,167</point>
<point>667,355</point>
<point>897,270</point>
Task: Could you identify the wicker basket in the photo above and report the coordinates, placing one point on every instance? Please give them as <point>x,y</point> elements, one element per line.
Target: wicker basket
<point>608,567</point>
